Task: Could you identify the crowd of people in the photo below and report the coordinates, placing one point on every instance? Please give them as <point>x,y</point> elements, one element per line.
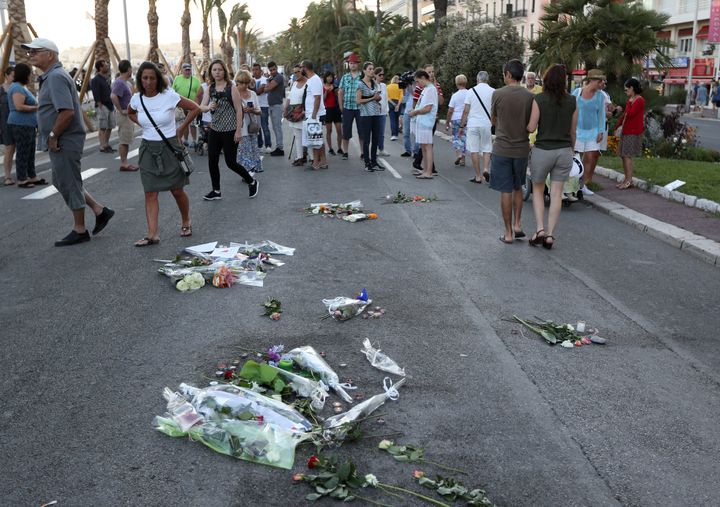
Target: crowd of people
<point>524,130</point>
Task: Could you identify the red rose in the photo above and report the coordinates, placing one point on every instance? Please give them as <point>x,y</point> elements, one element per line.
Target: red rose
<point>228,374</point>
<point>313,462</point>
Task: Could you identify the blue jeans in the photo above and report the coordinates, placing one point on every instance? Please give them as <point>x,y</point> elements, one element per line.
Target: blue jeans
<point>381,141</point>
<point>264,138</point>
<point>394,119</point>
<point>406,133</point>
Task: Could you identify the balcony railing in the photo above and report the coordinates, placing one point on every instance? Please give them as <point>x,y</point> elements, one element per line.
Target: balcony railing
<point>522,13</point>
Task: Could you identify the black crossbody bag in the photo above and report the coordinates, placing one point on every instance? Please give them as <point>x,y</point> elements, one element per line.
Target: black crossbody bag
<point>492,127</point>
<point>181,154</point>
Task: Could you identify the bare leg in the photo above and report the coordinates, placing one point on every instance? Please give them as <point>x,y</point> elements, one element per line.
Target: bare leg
<point>506,207</point>
<point>79,220</point>
<point>590,159</point>
<point>95,206</point>
<point>8,160</point>
<point>183,204</point>
<point>152,210</point>
<point>193,132</point>
<point>517,197</point>
<point>475,157</point>
<point>486,162</point>
<point>123,150</point>
<point>556,191</point>
<point>538,202</point>
<point>427,150</point>
<point>328,135</point>
<point>345,143</point>
<point>338,133</point>
<point>628,168</point>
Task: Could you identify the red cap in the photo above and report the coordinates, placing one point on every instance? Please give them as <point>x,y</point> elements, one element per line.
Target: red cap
<point>353,58</point>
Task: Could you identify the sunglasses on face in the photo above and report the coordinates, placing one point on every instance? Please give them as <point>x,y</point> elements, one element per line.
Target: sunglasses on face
<point>35,51</point>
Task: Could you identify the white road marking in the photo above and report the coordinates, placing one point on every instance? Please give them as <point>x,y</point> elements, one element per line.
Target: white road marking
<point>131,154</point>
<point>47,192</point>
<point>390,168</point>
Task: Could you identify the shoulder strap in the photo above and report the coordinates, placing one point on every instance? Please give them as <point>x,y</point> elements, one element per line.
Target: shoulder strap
<point>481,103</point>
<point>147,113</point>
<point>190,86</point>
<point>304,95</point>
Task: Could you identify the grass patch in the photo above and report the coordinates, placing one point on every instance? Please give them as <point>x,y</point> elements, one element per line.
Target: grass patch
<point>595,187</point>
<point>701,178</point>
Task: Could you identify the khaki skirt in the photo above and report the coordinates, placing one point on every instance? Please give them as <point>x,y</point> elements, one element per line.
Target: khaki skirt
<point>159,169</point>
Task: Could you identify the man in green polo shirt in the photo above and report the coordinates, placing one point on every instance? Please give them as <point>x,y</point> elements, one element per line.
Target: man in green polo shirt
<point>187,85</point>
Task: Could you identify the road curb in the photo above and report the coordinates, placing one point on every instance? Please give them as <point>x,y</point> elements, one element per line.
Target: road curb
<point>691,201</point>
<point>699,246</point>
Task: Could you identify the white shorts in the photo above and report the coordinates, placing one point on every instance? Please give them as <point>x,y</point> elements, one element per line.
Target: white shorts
<point>583,146</point>
<point>478,140</point>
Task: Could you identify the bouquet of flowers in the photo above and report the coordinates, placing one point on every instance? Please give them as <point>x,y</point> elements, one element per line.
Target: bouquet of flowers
<point>344,308</point>
<point>564,334</point>
<point>401,198</point>
<point>359,217</point>
<point>272,309</point>
<point>190,282</point>
<point>308,358</point>
<point>334,209</point>
<point>223,277</point>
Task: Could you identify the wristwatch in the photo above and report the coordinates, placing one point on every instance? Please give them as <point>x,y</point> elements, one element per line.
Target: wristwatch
<point>51,135</point>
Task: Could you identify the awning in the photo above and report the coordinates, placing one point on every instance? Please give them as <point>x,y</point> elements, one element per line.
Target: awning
<point>675,80</point>
<point>703,33</point>
<point>579,72</point>
<point>701,80</point>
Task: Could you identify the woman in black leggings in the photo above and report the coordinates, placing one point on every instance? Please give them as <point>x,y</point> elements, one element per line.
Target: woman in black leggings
<point>222,100</point>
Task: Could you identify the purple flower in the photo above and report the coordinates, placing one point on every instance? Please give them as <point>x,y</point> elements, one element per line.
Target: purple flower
<point>274,352</point>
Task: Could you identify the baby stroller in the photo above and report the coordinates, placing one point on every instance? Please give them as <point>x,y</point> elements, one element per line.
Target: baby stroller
<point>203,129</point>
<point>572,189</point>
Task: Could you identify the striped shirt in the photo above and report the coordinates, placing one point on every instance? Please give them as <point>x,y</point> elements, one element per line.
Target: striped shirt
<point>372,108</point>
<point>349,85</point>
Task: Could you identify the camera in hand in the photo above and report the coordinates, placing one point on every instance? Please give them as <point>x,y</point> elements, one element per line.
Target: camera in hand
<point>406,79</point>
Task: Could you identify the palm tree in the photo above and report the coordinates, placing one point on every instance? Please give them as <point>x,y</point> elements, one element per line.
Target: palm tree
<point>185,21</point>
<point>440,12</point>
<point>415,14</point>
<point>241,25</point>
<point>101,29</point>
<point>153,20</point>
<point>16,15</point>
<point>206,7</point>
<point>377,16</point>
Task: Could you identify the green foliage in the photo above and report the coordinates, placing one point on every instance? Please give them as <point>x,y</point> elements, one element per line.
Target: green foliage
<point>613,36</point>
<point>468,47</point>
<point>678,96</point>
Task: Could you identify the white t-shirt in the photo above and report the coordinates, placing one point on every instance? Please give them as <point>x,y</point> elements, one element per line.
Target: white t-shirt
<point>477,116</point>
<point>384,106</point>
<point>162,109</point>
<point>247,117</point>
<point>207,115</point>
<point>457,101</point>
<point>429,96</point>
<point>263,98</point>
<point>314,88</point>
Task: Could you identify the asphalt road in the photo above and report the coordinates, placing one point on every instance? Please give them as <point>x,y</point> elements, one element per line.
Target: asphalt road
<point>707,131</point>
<point>92,334</point>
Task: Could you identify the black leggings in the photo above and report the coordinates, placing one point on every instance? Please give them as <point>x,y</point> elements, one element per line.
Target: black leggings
<point>225,142</point>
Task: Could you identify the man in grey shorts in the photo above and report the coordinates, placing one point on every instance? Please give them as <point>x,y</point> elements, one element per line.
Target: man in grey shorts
<point>62,133</point>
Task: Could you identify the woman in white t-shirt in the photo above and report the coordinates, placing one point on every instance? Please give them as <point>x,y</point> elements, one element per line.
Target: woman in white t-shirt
<point>454,115</point>
<point>159,167</point>
<point>424,114</point>
<point>294,102</point>
<point>248,152</point>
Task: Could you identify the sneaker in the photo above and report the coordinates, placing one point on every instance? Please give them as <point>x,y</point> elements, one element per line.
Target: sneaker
<point>74,238</point>
<point>331,151</point>
<point>344,156</point>
<point>277,152</point>
<point>377,167</point>
<point>406,154</point>
<point>369,168</point>
<point>340,152</point>
<point>417,165</point>
<point>253,188</point>
<point>268,149</point>
<point>260,170</point>
<point>393,138</point>
<point>383,153</point>
<point>102,219</point>
<point>213,195</point>
<point>587,191</point>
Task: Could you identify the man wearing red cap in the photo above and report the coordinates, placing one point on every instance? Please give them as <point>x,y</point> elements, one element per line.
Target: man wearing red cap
<point>347,93</point>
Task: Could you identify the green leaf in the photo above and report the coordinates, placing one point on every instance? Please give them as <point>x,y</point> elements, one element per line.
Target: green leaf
<point>312,497</point>
<point>332,483</point>
<point>344,471</point>
<point>401,458</point>
<point>415,455</point>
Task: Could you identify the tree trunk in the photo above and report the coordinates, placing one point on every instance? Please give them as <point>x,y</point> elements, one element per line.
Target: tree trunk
<point>242,48</point>
<point>101,30</point>
<point>205,41</point>
<point>377,16</point>
<point>16,15</point>
<point>415,14</point>
<point>185,24</point>
<point>440,12</point>
<point>227,51</point>
<point>153,20</point>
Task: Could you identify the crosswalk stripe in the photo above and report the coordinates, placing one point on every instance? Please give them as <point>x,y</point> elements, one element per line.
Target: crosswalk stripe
<point>131,154</point>
<point>48,191</point>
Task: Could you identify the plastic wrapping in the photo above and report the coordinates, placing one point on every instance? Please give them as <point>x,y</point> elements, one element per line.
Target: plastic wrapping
<point>336,426</point>
<point>380,360</point>
<point>307,357</point>
<point>265,246</point>
<point>230,401</point>
<point>344,308</point>
<point>305,387</point>
<point>254,441</point>
<point>244,272</point>
<point>331,208</point>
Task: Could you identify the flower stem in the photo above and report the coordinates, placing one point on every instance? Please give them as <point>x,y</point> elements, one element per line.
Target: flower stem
<point>444,467</point>
<point>418,495</point>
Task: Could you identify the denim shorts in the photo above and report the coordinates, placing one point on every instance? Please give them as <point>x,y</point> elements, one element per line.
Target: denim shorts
<point>348,115</point>
<point>507,173</point>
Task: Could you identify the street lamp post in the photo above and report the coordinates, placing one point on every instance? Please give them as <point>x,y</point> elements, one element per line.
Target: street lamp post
<point>127,34</point>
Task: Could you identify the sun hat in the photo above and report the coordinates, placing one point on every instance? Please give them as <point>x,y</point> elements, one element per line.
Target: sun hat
<point>41,43</point>
<point>596,74</point>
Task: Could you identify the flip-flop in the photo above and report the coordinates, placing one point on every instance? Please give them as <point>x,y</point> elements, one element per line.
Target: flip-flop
<point>421,177</point>
<point>27,184</point>
<point>147,242</point>
<point>479,182</point>
<point>186,231</point>
<point>502,238</point>
<point>486,175</point>
<point>41,181</point>
<point>519,234</point>
<point>8,182</point>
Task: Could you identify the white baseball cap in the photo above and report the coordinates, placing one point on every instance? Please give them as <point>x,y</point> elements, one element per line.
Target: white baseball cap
<point>41,43</point>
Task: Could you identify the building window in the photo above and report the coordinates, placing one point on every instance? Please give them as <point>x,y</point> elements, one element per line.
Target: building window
<point>533,5</point>
<point>494,10</point>
<point>522,32</point>
<point>532,31</point>
<point>685,45</point>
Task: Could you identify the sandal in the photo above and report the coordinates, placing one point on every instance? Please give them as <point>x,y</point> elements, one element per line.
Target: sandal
<point>27,184</point>
<point>147,242</point>
<point>502,238</point>
<point>41,181</point>
<point>421,177</point>
<point>625,185</point>
<point>537,238</point>
<point>486,175</point>
<point>457,161</point>
<point>548,244</point>
<point>8,181</point>
<point>185,231</point>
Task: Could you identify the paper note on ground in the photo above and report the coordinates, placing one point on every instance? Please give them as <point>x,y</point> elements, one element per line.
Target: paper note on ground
<point>204,248</point>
